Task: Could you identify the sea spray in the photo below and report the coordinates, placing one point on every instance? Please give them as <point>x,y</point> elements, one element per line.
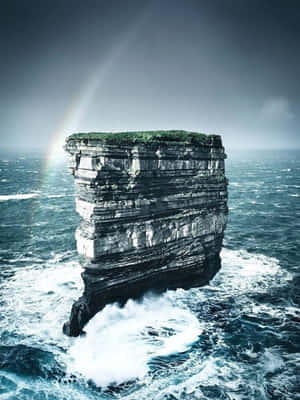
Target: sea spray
<point>119,342</point>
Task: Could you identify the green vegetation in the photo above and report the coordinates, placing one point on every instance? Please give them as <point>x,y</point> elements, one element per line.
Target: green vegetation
<point>143,137</point>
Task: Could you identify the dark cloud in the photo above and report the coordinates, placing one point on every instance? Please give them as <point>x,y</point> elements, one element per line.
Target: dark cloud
<point>228,67</point>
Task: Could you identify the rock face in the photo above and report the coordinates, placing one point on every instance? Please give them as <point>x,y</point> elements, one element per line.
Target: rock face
<point>153,216</point>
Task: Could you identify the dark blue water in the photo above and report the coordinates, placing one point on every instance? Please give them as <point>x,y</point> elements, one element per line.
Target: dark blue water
<point>237,338</point>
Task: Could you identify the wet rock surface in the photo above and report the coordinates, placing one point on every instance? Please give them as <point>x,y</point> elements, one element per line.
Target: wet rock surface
<point>152,218</point>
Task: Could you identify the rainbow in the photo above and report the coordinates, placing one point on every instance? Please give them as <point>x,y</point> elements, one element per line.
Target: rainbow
<point>79,104</point>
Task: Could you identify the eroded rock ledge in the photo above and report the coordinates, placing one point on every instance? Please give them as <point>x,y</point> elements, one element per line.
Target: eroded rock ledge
<point>153,208</point>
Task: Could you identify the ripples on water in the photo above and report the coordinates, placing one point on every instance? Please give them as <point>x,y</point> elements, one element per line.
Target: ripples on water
<point>237,338</point>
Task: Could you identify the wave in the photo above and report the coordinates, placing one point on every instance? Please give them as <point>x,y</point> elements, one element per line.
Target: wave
<point>120,342</point>
<point>30,361</point>
<point>145,339</point>
<point>52,196</point>
<point>242,272</point>
<point>38,299</point>
<point>19,196</point>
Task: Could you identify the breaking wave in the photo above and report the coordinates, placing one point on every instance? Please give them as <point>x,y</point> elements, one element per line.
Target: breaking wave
<point>120,342</point>
<point>173,343</point>
<point>18,196</point>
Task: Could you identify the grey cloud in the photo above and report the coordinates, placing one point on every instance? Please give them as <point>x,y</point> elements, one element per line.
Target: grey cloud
<point>228,67</point>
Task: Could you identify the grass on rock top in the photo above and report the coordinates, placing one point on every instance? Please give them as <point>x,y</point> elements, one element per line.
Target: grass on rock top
<point>176,136</point>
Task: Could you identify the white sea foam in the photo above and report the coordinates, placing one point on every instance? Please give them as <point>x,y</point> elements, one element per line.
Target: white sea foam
<point>18,196</point>
<point>121,341</point>
<point>243,271</point>
<point>52,196</point>
<point>38,299</point>
<point>119,344</point>
<point>271,361</point>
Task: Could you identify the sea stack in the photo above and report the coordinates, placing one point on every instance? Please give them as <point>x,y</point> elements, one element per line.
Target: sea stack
<point>153,209</point>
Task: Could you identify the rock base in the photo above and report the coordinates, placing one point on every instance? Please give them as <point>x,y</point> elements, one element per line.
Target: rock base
<point>90,303</point>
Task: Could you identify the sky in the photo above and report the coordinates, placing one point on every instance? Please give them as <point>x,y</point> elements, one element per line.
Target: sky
<point>228,67</point>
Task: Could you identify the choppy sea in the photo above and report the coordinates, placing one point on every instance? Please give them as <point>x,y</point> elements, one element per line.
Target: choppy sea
<point>237,338</point>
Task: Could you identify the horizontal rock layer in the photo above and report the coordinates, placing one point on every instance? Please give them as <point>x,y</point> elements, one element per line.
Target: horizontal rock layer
<point>153,218</point>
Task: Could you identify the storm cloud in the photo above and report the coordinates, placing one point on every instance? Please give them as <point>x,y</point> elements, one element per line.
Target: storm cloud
<point>227,67</point>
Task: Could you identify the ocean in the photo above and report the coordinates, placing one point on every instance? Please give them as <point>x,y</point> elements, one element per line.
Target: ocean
<point>237,338</point>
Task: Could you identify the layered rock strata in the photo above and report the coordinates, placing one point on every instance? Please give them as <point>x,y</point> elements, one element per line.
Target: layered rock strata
<point>152,213</point>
